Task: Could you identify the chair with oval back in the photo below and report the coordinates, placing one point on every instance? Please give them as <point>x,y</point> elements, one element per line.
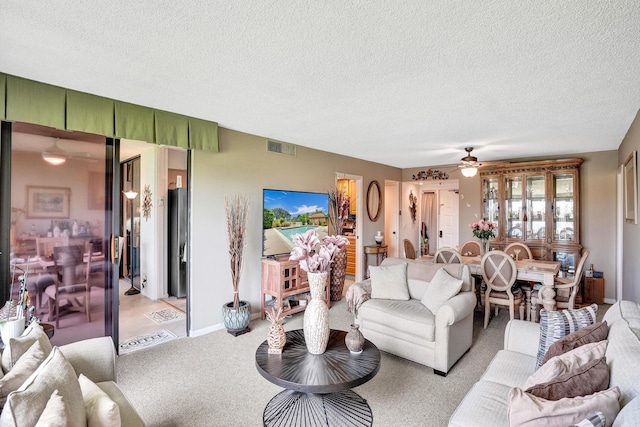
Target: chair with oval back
<point>409,250</point>
<point>470,248</point>
<point>518,251</point>
<point>447,255</point>
<point>499,273</point>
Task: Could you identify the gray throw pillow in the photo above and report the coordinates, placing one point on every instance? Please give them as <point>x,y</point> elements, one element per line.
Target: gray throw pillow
<point>558,324</point>
<point>389,282</point>
<point>441,288</point>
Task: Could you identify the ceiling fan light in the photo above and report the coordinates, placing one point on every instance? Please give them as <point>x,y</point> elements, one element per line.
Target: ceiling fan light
<point>53,159</point>
<point>469,171</point>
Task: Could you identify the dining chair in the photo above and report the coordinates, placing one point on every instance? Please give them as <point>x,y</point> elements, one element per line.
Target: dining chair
<point>73,283</point>
<point>499,273</point>
<point>45,245</point>
<point>470,248</point>
<point>447,255</point>
<point>518,251</point>
<point>566,287</point>
<point>409,250</point>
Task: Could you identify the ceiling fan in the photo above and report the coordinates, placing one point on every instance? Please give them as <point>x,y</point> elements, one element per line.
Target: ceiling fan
<point>469,165</point>
<point>56,156</point>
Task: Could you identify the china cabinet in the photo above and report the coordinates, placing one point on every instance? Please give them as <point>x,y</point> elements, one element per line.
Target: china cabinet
<point>536,203</point>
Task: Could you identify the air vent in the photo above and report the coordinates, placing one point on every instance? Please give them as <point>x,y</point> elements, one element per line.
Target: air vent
<point>281,148</point>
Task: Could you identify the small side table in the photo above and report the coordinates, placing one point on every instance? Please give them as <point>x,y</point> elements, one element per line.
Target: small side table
<point>380,252</point>
<point>48,329</point>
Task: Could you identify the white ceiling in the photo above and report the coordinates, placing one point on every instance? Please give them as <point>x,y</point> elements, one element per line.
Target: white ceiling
<point>399,82</point>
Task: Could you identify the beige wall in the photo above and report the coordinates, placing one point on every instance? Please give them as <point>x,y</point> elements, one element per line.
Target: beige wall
<point>630,232</point>
<point>597,207</point>
<point>244,166</point>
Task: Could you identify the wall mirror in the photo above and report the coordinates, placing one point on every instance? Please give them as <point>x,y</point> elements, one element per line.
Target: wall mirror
<point>374,199</point>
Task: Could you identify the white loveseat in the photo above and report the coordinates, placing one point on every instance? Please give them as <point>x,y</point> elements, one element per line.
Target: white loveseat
<point>94,358</point>
<point>407,328</point>
<point>487,404</point>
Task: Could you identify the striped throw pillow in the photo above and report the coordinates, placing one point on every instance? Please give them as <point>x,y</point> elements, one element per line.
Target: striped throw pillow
<point>557,324</point>
<point>595,419</point>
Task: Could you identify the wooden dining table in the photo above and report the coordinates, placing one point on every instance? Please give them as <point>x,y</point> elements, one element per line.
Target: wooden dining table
<point>529,270</point>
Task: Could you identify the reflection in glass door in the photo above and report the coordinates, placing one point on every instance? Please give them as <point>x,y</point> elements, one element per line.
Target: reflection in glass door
<point>60,228</point>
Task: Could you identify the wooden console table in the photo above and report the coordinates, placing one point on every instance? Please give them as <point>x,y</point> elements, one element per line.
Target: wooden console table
<point>380,252</point>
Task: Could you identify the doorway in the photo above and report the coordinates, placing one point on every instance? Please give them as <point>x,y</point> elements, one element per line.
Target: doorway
<point>391,208</point>
<point>439,216</point>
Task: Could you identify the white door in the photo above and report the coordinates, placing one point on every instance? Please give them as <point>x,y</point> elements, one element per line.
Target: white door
<point>391,217</point>
<point>448,218</point>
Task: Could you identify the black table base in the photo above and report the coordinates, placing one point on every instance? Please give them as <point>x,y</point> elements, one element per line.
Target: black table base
<point>294,408</point>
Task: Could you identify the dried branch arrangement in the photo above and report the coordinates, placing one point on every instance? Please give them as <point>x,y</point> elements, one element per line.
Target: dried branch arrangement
<point>237,214</point>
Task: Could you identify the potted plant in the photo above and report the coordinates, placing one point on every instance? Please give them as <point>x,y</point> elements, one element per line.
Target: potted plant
<point>236,314</point>
<point>339,204</point>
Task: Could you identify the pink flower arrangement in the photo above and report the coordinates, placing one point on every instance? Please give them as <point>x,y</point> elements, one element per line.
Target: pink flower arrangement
<point>314,260</point>
<point>483,229</point>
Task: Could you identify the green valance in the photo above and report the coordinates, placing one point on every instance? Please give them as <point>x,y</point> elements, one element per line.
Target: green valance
<point>3,87</point>
<point>203,135</point>
<point>172,129</point>
<point>29,101</point>
<point>89,113</point>
<point>35,102</point>
<point>134,122</point>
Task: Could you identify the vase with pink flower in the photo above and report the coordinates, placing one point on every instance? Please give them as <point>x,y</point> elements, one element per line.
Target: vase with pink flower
<point>485,231</point>
<point>315,258</point>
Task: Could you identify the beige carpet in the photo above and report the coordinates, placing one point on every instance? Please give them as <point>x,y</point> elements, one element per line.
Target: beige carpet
<point>212,380</point>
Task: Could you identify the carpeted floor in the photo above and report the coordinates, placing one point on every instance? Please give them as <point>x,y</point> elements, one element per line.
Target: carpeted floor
<point>214,382</point>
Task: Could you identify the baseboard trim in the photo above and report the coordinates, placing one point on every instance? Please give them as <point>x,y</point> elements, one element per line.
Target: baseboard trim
<point>207,330</point>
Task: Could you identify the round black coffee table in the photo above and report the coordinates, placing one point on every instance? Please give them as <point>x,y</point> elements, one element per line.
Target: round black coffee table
<point>318,386</point>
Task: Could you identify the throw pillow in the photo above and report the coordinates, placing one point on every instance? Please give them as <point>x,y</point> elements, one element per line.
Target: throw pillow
<point>592,420</point>
<point>25,405</point>
<point>101,410</point>
<point>55,414</point>
<point>557,324</point>
<point>16,347</point>
<point>24,367</point>
<point>567,362</point>
<point>389,282</point>
<point>440,289</point>
<point>593,333</point>
<point>585,380</point>
<point>528,410</point>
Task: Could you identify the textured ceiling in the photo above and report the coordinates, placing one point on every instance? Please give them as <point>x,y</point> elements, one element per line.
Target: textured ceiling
<point>399,82</point>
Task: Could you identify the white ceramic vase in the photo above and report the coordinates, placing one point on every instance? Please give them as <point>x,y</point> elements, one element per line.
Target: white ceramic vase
<point>316,315</point>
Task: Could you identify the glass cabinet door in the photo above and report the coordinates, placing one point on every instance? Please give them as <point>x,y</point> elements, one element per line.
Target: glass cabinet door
<point>563,215</point>
<point>514,212</point>
<point>535,218</point>
<point>490,205</point>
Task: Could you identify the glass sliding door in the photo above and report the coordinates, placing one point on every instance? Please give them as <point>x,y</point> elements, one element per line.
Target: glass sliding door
<point>61,226</point>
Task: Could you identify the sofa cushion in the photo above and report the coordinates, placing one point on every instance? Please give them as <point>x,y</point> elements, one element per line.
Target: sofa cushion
<point>526,409</point>
<point>567,362</point>
<point>389,282</point>
<point>55,414</point>
<point>440,289</point>
<point>18,346</point>
<point>102,411</point>
<point>590,334</point>
<point>484,405</point>
<point>557,324</point>
<point>623,358</point>
<point>509,368</point>
<point>24,406</point>
<point>24,367</point>
<point>128,414</point>
<point>410,317</point>
<point>582,381</point>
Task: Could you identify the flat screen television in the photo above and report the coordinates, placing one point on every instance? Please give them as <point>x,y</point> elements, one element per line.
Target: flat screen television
<point>289,212</point>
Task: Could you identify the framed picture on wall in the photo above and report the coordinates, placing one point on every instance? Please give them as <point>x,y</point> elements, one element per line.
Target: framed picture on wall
<point>630,189</point>
<point>48,202</point>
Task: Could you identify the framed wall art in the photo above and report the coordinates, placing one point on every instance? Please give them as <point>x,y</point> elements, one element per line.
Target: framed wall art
<point>48,202</point>
<point>630,189</point>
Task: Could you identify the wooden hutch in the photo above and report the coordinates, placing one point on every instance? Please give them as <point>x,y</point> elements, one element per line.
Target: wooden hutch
<point>536,203</point>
